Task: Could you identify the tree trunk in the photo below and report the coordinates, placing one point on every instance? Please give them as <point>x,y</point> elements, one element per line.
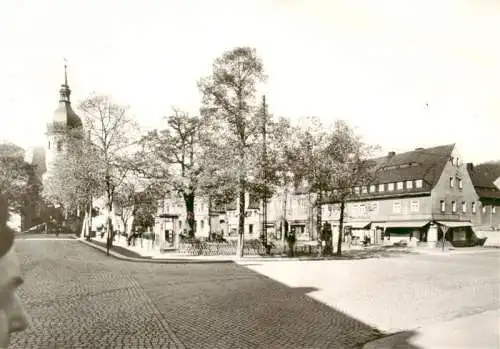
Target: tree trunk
<point>283,219</point>
<point>241,218</point>
<point>319,218</point>
<point>189,201</point>
<point>109,227</point>
<point>209,218</point>
<point>341,227</point>
<point>89,224</point>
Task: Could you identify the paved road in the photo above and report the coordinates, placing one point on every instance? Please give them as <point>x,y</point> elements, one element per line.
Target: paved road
<point>401,293</point>
<point>79,298</point>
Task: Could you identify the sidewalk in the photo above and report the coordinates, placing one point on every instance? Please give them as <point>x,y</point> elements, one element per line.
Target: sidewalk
<point>149,253</point>
<point>145,253</point>
<point>478,331</point>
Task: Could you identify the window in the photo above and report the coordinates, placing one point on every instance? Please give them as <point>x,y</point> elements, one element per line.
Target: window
<point>415,206</point>
<point>484,209</point>
<point>443,206</point>
<point>372,188</point>
<point>390,187</point>
<point>364,189</point>
<point>59,145</point>
<point>409,184</point>
<point>381,188</point>
<point>453,206</point>
<point>250,229</point>
<point>400,185</point>
<point>460,184</point>
<point>473,207</point>
<point>451,182</point>
<point>493,209</point>
<point>362,210</point>
<point>418,183</point>
<point>396,207</point>
<point>356,190</point>
<point>202,223</point>
<point>49,144</point>
<point>180,224</point>
<point>464,207</point>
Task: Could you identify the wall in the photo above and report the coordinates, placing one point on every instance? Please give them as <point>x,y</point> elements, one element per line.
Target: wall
<point>381,210</point>
<point>443,191</point>
<point>488,216</point>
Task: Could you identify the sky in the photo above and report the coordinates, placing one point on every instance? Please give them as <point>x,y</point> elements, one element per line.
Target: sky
<point>405,74</point>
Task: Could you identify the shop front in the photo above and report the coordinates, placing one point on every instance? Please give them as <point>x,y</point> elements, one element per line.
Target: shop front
<point>405,232</point>
<point>459,234</point>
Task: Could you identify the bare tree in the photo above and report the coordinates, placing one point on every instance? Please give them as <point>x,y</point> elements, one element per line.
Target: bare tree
<point>229,101</point>
<point>74,181</point>
<point>112,136</point>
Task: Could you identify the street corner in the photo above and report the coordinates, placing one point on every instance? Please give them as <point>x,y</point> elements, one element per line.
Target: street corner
<point>131,256</point>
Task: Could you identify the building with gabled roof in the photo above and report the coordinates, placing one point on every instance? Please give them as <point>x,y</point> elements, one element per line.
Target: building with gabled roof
<point>416,196</point>
<point>486,179</point>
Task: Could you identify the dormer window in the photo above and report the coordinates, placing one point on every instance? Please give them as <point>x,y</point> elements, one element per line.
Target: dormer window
<point>400,185</point>
<point>409,184</point>
<point>419,183</point>
<point>364,189</point>
<point>372,188</point>
<point>390,187</point>
<point>381,188</point>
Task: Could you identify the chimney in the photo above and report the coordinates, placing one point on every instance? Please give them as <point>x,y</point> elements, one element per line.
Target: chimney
<point>419,148</point>
<point>391,154</point>
<point>470,166</point>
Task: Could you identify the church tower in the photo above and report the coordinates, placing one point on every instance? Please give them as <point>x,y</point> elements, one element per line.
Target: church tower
<point>64,124</point>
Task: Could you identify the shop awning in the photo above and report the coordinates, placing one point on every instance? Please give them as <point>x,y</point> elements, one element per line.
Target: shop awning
<point>168,215</point>
<point>454,224</point>
<point>358,224</point>
<point>405,224</point>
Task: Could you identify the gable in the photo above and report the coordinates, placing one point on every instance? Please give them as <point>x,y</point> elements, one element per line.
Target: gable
<point>486,179</point>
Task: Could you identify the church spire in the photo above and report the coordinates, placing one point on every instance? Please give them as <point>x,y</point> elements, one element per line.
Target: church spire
<point>65,91</point>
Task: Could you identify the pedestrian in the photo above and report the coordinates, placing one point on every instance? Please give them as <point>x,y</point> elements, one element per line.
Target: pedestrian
<point>13,317</point>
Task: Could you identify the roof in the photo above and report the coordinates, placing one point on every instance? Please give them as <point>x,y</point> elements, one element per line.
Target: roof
<point>426,164</point>
<point>483,178</point>
<point>64,116</point>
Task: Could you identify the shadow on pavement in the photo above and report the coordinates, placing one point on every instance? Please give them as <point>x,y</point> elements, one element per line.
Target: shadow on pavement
<point>121,250</point>
<point>379,252</point>
<point>399,340</point>
<point>230,306</point>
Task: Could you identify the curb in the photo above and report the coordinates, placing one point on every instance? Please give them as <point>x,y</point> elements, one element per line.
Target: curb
<point>156,261</point>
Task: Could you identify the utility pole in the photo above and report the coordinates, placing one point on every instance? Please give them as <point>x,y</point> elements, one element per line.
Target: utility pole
<point>264,171</point>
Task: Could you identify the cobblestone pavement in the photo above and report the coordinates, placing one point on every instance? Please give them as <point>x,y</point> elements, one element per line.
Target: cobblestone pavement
<point>397,294</point>
<point>79,298</point>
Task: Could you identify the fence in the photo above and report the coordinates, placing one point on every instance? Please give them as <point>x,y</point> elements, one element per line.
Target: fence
<point>250,248</point>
